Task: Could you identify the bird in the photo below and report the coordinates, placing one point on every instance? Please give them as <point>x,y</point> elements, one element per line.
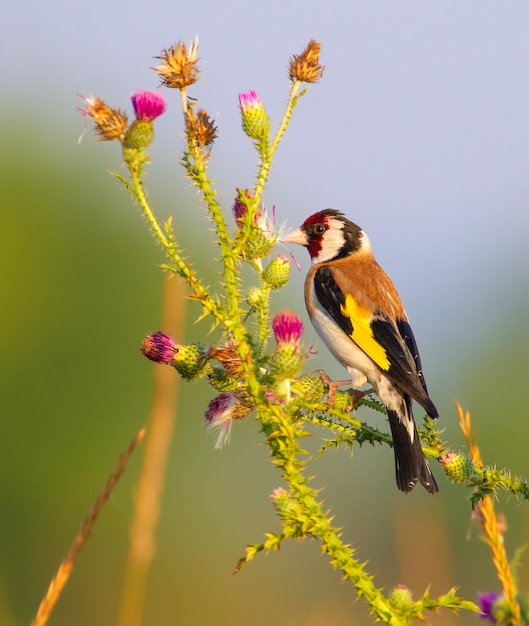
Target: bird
<point>357,312</point>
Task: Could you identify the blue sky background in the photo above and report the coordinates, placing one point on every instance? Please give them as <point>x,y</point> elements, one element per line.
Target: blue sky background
<point>418,130</point>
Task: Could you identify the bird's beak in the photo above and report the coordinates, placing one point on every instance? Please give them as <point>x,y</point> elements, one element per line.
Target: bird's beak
<point>295,236</point>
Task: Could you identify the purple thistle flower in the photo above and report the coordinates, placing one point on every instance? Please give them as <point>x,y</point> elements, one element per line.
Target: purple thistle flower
<point>486,604</point>
<point>283,260</point>
<point>278,493</point>
<point>219,416</point>
<point>287,328</point>
<point>261,219</point>
<point>250,101</point>
<point>240,209</point>
<point>273,398</point>
<point>255,120</point>
<point>159,347</point>
<point>148,105</point>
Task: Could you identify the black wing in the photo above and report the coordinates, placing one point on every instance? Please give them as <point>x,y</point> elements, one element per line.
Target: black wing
<point>401,360</point>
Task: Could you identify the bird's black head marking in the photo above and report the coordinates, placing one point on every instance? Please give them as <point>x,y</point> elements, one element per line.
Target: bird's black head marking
<point>331,236</point>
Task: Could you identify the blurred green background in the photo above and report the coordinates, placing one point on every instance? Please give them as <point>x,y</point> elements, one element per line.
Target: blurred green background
<point>81,288</point>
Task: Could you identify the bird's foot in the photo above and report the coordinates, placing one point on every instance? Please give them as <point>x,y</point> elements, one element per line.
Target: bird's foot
<point>334,385</point>
<point>357,394</point>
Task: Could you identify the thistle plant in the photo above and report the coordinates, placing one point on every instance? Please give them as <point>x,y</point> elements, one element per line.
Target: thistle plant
<point>258,363</point>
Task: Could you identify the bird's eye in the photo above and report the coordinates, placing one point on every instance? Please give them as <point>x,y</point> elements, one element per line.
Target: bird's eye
<point>319,229</point>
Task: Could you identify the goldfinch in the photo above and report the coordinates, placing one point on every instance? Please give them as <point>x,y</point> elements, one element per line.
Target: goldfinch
<point>357,312</point>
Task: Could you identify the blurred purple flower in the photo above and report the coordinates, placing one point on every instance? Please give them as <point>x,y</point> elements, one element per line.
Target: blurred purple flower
<point>159,347</point>
<point>219,416</point>
<point>148,105</point>
<point>255,120</point>
<point>250,101</point>
<point>287,328</point>
<point>486,604</point>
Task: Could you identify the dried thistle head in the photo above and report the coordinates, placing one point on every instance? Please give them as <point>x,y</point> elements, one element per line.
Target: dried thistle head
<point>110,123</point>
<point>201,127</point>
<point>228,356</point>
<point>206,130</point>
<point>305,66</point>
<point>179,67</point>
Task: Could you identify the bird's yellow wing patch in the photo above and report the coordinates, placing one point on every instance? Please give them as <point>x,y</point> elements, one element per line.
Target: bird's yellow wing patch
<point>362,334</point>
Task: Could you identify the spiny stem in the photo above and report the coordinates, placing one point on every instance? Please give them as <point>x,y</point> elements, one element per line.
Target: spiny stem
<point>200,293</point>
<point>197,172</point>
<point>263,317</point>
<point>283,435</point>
<point>268,155</point>
<point>292,101</point>
<point>139,194</point>
<point>494,479</point>
<point>233,318</point>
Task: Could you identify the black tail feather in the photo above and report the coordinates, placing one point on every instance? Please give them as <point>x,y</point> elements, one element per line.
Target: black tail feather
<point>410,464</point>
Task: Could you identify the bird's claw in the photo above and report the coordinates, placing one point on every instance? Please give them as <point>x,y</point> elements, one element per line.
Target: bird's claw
<point>334,385</point>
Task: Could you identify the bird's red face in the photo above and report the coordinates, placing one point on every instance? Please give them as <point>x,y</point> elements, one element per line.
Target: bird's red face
<point>315,228</point>
<point>327,235</point>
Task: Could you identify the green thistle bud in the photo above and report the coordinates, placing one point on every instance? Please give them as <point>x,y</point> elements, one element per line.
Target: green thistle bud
<point>220,380</point>
<point>285,505</point>
<point>139,135</point>
<point>277,272</point>
<point>400,597</point>
<point>287,363</point>
<point>254,297</point>
<point>309,386</point>
<point>342,401</point>
<point>190,361</point>
<point>458,467</point>
<point>256,237</point>
<point>255,120</point>
<point>258,245</point>
<point>501,611</point>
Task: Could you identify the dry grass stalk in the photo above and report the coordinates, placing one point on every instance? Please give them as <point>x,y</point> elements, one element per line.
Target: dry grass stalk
<point>492,534</point>
<point>152,477</point>
<point>62,576</point>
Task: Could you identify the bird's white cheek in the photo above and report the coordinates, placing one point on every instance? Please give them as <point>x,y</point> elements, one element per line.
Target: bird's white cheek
<point>333,242</point>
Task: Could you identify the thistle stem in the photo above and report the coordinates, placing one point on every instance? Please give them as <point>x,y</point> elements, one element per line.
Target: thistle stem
<point>267,155</point>
<point>139,194</point>
<point>283,434</point>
